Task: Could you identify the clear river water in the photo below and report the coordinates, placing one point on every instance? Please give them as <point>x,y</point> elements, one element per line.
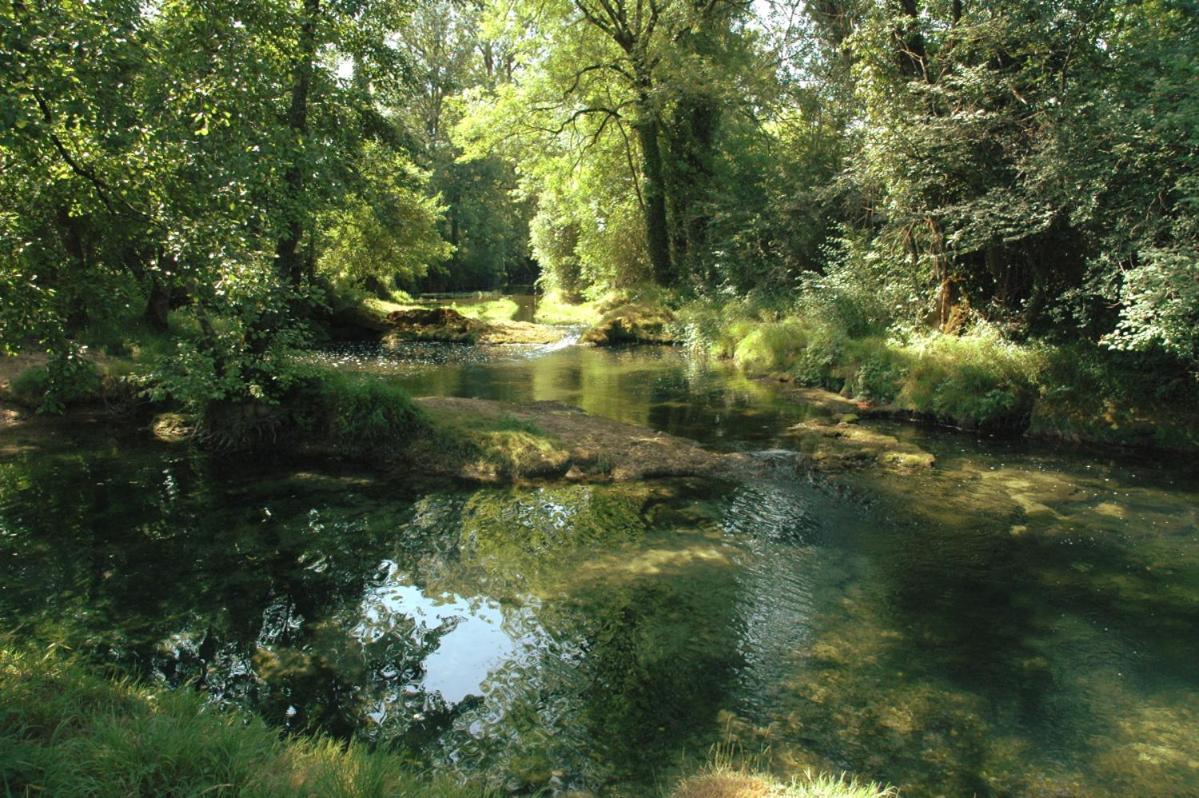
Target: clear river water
<point>1021,620</point>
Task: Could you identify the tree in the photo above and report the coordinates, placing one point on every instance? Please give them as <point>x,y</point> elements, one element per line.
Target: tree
<point>625,91</point>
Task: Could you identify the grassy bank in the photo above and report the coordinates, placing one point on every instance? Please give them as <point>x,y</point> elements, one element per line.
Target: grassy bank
<point>726,783</point>
<point>977,380</point>
<point>553,308</point>
<point>66,731</point>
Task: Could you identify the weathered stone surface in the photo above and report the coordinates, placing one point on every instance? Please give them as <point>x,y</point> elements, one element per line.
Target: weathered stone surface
<point>541,440</point>
<point>835,447</point>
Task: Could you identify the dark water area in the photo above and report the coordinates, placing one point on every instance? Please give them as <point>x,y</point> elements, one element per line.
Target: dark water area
<point>1018,621</point>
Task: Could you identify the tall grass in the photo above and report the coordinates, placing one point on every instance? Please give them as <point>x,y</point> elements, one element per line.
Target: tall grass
<point>65,731</point>
<point>733,773</point>
<point>358,414</point>
<point>976,380</point>
<point>553,308</point>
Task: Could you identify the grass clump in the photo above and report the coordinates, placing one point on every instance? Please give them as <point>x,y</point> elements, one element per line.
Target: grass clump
<point>976,380</point>
<point>728,783</point>
<point>733,772</point>
<point>795,348</point>
<point>358,414</point>
<point>67,731</point>
<point>553,308</point>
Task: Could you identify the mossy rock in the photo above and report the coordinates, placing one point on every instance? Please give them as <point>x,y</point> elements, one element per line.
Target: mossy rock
<point>449,326</point>
<point>836,447</point>
<point>173,427</point>
<point>488,441</point>
<point>633,323</point>
<point>431,324</point>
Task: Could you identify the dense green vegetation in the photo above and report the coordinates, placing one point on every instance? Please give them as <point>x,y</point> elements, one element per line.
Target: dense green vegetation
<point>201,184</point>
<point>981,213</point>
<point>64,730</point>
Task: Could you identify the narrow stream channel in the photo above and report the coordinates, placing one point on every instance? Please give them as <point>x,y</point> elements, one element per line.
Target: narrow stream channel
<point>1018,621</point>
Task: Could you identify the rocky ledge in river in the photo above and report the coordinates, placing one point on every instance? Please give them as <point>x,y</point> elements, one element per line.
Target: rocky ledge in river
<point>442,325</point>
<point>448,325</point>
<point>502,442</point>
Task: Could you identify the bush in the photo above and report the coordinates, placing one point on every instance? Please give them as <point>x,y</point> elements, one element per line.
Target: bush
<point>62,382</point>
<point>875,369</point>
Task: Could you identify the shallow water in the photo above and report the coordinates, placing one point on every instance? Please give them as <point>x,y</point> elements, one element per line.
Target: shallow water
<point>1019,621</point>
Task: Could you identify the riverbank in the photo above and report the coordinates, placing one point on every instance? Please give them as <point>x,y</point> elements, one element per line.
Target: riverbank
<point>365,419</point>
<point>975,380</point>
<point>393,323</point>
<point>67,730</point>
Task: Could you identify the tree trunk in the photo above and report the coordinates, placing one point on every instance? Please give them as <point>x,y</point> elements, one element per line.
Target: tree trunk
<point>909,42</point>
<point>288,263</point>
<point>158,304</point>
<point>692,150</point>
<point>657,233</point>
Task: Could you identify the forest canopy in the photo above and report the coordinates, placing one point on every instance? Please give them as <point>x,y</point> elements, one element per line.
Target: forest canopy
<point>225,172</point>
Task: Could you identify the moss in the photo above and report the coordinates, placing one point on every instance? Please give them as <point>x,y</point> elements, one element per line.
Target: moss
<point>490,447</point>
<point>66,731</point>
<point>832,447</point>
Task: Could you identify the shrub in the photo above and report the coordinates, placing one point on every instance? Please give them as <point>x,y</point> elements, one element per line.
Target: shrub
<point>62,382</point>
<point>875,369</point>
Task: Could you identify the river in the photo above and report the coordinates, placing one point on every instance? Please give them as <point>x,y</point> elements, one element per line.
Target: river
<point>1018,621</point>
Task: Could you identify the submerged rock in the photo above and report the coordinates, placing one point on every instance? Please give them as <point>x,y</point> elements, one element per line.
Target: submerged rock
<point>836,447</point>
<point>540,440</point>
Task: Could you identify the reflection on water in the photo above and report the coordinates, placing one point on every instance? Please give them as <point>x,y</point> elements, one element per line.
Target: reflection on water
<point>1014,622</point>
<point>659,387</point>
